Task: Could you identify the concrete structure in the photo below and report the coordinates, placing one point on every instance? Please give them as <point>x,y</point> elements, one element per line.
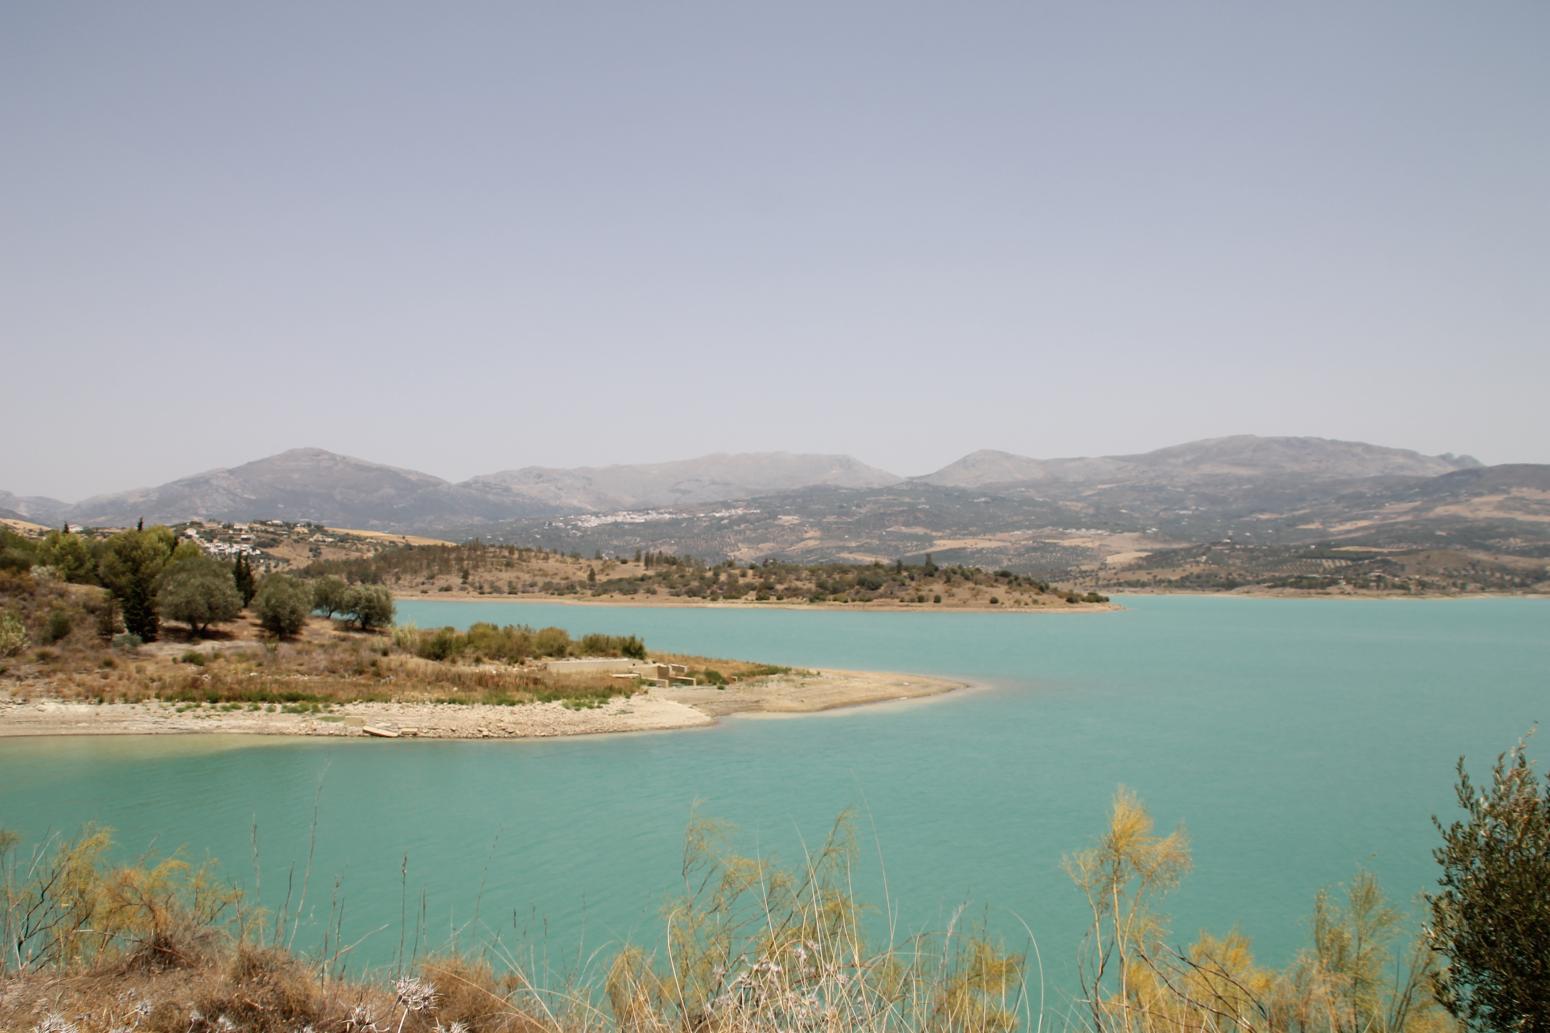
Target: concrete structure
<point>617,667</point>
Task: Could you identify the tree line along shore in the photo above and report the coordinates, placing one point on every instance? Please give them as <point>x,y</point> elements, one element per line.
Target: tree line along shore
<point>480,569</point>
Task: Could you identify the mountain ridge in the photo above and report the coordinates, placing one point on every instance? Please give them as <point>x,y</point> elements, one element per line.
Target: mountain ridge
<point>327,487</point>
<point>1194,461</point>
<point>716,477</point>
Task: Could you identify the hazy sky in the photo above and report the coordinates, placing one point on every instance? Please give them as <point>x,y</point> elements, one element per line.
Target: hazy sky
<point>467,237</point>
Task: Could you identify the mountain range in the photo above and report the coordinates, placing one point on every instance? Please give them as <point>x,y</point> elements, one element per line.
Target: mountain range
<point>1243,456</point>
<point>1247,504</point>
<point>314,484</point>
<point>989,508</point>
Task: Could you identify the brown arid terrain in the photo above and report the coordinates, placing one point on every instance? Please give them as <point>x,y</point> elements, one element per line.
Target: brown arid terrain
<point>331,680</point>
<point>25,527</point>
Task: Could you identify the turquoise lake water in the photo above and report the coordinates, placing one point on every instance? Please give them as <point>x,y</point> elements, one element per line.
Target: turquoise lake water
<point>1295,739</point>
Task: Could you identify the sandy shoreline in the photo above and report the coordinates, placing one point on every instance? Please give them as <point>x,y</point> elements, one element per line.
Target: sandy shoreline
<point>655,709</point>
<point>692,604</point>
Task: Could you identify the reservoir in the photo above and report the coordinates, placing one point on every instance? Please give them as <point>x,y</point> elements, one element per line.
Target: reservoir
<point>1296,740</point>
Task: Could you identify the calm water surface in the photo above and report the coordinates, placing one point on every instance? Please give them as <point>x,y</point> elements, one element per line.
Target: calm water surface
<point>1296,740</point>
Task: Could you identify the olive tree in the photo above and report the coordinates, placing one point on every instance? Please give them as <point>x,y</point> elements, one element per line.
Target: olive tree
<point>328,594</point>
<point>282,604</point>
<point>1491,919</point>
<point>199,591</point>
<point>369,606</point>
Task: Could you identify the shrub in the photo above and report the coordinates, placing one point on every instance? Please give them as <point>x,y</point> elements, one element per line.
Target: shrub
<point>282,604</point>
<point>16,553</point>
<point>104,613</point>
<point>1491,919</point>
<point>613,645</point>
<point>13,635</point>
<point>441,644</point>
<point>59,625</point>
<point>551,642</point>
<point>513,643</point>
<point>127,641</point>
<point>70,555</point>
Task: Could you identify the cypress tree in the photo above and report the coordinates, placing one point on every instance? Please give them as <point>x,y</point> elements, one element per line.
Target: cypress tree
<point>242,574</point>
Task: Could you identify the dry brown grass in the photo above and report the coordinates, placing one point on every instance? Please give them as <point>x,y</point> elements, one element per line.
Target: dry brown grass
<point>752,948</point>
<point>345,672</point>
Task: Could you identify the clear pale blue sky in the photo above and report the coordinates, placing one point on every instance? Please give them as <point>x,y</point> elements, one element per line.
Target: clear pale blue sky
<point>466,237</point>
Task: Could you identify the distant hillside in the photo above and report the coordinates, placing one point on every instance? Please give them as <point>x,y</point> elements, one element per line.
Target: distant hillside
<point>321,486</point>
<point>35,509</point>
<point>687,482</point>
<point>1481,480</point>
<point>1241,457</point>
<point>1484,529</point>
<point>301,484</point>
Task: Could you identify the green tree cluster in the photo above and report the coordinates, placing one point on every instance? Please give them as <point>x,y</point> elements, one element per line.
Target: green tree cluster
<point>16,552</point>
<point>129,565</point>
<point>513,643</point>
<point>70,555</point>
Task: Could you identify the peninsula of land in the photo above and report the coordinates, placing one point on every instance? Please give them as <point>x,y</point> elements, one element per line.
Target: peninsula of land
<point>651,710</point>
<point>322,658</point>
